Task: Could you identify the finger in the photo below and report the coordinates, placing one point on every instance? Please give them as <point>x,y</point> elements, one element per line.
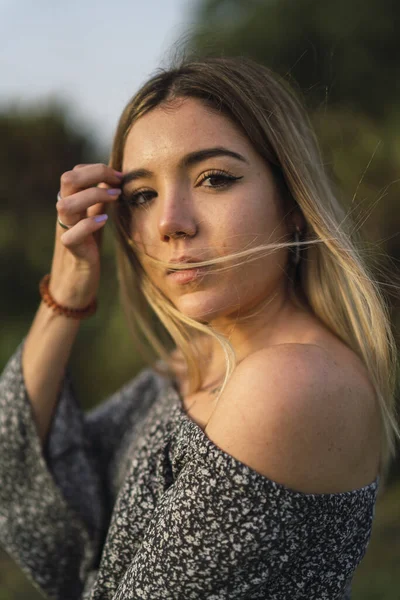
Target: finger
<point>98,209</point>
<point>72,208</point>
<point>79,233</point>
<point>86,176</point>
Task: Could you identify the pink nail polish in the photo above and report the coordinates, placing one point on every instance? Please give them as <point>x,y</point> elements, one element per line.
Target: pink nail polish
<point>101,218</point>
<point>114,192</point>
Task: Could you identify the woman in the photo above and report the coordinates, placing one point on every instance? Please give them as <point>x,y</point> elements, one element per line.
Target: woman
<point>246,462</point>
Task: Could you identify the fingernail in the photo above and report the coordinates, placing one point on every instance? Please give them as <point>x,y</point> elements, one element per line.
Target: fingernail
<point>101,218</point>
<point>114,192</point>
<point>118,173</point>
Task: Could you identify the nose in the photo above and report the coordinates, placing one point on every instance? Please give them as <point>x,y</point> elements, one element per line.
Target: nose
<point>176,218</point>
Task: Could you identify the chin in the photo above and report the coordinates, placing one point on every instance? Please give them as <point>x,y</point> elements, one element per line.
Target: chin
<point>203,307</point>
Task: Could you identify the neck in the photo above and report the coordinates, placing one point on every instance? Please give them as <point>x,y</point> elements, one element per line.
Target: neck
<point>273,321</point>
<point>264,325</point>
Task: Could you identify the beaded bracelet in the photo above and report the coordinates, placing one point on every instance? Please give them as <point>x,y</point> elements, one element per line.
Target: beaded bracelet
<point>73,313</point>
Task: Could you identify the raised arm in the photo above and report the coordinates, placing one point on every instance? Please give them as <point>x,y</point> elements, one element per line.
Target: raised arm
<point>54,540</point>
<point>74,282</point>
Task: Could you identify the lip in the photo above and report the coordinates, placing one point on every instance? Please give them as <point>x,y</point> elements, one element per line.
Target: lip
<point>187,275</point>
<point>184,259</point>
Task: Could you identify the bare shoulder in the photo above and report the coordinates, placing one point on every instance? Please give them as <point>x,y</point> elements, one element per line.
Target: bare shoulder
<point>298,416</point>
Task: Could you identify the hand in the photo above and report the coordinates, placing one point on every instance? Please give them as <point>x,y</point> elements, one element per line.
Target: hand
<point>75,270</point>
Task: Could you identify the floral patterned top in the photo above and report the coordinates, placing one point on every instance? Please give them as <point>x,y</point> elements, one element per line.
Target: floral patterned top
<point>133,501</point>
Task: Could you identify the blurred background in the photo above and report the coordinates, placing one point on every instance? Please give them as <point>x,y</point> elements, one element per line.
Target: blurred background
<point>66,72</point>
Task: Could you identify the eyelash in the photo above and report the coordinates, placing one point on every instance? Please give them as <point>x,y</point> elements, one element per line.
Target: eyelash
<point>228,179</point>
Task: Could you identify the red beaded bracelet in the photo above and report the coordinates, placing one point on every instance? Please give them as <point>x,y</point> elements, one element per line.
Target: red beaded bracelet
<point>73,313</point>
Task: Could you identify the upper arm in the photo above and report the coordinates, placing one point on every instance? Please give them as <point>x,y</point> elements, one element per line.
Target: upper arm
<point>288,413</point>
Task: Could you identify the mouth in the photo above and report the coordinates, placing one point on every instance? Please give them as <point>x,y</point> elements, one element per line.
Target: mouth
<point>184,259</point>
<point>187,275</point>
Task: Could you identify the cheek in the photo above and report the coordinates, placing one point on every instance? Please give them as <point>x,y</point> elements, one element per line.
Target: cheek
<point>141,234</point>
<point>246,222</point>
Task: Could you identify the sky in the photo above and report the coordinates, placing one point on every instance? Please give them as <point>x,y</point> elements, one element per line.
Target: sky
<point>91,54</point>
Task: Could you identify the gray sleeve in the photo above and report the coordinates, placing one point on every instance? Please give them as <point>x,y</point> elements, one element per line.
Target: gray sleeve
<point>223,530</point>
<point>55,503</point>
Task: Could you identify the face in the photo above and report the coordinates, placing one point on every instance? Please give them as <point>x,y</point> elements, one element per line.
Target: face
<point>197,188</point>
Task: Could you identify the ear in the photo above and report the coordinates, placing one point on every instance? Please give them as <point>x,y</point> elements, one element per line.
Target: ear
<point>297,221</point>
<point>292,213</point>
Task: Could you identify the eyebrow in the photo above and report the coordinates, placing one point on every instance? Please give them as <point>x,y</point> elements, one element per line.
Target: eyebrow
<point>189,160</point>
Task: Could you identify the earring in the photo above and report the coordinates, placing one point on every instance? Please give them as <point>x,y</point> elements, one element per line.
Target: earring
<point>296,259</point>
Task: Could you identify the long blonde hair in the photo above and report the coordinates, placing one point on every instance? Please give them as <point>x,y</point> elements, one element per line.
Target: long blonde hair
<point>332,278</point>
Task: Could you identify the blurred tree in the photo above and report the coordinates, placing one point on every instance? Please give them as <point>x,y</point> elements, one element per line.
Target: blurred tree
<point>37,145</point>
<point>347,53</point>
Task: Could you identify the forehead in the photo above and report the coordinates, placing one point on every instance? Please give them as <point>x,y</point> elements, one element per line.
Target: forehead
<point>180,127</point>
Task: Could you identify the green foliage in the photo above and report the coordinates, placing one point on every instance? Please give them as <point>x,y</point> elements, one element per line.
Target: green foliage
<point>36,147</point>
<point>378,577</point>
<point>13,583</point>
<point>343,52</point>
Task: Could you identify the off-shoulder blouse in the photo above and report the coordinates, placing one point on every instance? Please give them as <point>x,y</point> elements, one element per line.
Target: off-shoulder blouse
<point>132,500</point>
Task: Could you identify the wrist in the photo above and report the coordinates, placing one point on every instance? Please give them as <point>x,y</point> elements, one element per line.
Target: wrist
<point>73,288</point>
<point>72,306</point>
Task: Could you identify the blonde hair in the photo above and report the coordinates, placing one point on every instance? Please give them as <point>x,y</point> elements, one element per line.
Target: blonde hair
<point>332,279</point>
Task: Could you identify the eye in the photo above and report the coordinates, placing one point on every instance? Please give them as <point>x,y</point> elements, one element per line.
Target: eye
<point>139,197</point>
<point>217,179</point>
